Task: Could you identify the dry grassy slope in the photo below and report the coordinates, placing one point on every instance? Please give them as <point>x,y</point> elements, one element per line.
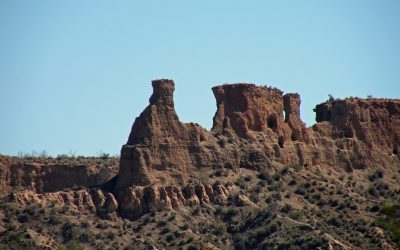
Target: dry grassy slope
<point>288,208</point>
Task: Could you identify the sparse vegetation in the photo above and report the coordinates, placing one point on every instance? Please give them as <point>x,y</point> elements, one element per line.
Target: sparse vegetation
<point>282,208</point>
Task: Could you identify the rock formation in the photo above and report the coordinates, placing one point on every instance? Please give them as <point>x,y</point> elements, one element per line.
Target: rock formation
<point>253,127</point>
<point>258,179</point>
<point>16,174</point>
<point>375,122</point>
<point>81,200</point>
<point>160,143</point>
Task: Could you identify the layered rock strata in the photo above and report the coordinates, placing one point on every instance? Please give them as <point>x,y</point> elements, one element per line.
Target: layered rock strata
<point>253,128</point>
<point>17,175</point>
<point>137,200</point>
<point>81,200</point>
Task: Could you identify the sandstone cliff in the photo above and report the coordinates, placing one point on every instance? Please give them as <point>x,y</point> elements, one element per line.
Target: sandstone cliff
<point>50,175</point>
<point>255,128</point>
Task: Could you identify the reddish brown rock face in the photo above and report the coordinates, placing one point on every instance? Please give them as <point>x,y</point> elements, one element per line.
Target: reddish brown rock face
<point>17,175</point>
<point>292,118</point>
<point>253,128</point>
<point>248,108</point>
<point>165,163</point>
<point>160,143</point>
<point>81,200</point>
<point>376,122</point>
<point>159,122</point>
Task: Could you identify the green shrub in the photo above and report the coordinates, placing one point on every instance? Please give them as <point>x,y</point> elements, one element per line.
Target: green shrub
<point>54,220</point>
<point>71,231</point>
<point>165,230</point>
<point>219,228</point>
<point>193,247</point>
<point>161,223</point>
<point>277,176</point>
<point>300,191</point>
<point>296,215</point>
<point>372,191</point>
<point>23,218</point>
<point>170,237</point>
<point>248,178</point>
<point>378,174</point>
<point>390,209</point>
<point>229,214</point>
<point>375,208</point>
<point>335,221</point>
<point>297,167</point>
<point>73,245</point>
<point>287,208</point>
<point>391,225</point>
<point>254,198</point>
<point>265,176</point>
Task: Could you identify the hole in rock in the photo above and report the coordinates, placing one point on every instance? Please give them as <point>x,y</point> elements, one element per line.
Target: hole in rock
<point>272,122</point>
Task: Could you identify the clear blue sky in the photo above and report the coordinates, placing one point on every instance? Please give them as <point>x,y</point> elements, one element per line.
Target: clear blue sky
<point>75,74</point>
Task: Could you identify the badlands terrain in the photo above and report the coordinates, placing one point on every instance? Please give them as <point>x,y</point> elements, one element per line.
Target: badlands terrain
<point>259,179</point>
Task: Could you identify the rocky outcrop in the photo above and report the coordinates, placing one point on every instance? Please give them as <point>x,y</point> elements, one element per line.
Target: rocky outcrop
<point>160,143</point>
<point>248,128</point>
<point>253,127</point>
<point>17,175</point>
<point>80,200</point>
<point>138,200</point>
<point>358,133</point>
<point>246,107</point>
<point>376,122</point>
<point>291,103</point>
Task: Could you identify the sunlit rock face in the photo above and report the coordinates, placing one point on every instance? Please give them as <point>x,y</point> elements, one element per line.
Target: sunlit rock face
<point>253,127</point>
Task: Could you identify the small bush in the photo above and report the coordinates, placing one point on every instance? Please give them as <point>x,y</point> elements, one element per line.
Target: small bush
<point>378,174</point>
<point>165,230</point>
<point>248,178</point>
<point>219,228</point>
<point>170,237</point>
<point>73,245</point>
<point>372,191</point>
<point>391,209</point>
<point>300,191</point>
<point>297,167</point>
<point>254,198</point>
<point>229,214</point>
<point>375,208</point>
<point>71,232</point>
<point>287,208</point>
<point>266,177</point>
<point>193,247</point>
<point>334,221</point>
<point>161,223</point>
<point>54,220</point>
<point>296,215</point>
<point>23,218</point>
